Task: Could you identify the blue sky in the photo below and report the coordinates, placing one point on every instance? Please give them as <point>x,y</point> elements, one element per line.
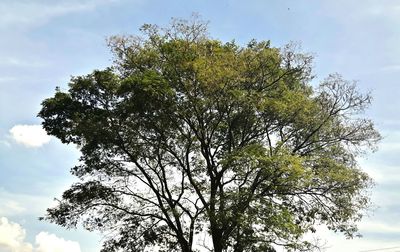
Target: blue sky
<point>44,42</point>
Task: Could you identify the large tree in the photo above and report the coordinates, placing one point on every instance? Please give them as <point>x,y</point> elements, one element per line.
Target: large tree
<point>190,142</point>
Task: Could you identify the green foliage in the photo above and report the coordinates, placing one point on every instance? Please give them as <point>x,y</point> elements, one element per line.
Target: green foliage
<point>187,137</point>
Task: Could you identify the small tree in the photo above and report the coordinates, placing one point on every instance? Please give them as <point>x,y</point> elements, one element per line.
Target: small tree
<point>188,139</point>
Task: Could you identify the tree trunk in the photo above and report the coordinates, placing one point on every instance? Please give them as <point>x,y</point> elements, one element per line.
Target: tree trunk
<point>217,240</point>
<point>184,245</point>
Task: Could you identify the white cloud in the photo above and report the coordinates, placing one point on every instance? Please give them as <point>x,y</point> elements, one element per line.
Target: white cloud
<point>50,243</point>
<point>12,239</point>
<point>29,135</point>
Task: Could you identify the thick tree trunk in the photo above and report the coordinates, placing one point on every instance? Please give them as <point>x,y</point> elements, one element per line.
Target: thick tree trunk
<point>185,246</point>
<point>217,240</point>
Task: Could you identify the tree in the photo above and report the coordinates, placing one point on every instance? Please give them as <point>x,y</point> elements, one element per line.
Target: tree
<point>188,139</point>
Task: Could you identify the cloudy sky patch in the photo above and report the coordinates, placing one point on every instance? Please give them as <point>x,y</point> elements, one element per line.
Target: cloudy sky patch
<point>26,14</point>
<point>31,136</point>
<point>13,235</point>
<point>51,243</point>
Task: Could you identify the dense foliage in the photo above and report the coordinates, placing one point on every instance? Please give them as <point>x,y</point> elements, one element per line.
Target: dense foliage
<point>189,142</point>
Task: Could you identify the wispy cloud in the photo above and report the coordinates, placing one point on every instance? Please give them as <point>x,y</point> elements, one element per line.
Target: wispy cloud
<point>31,13</point>
<point>17,62</point>
<point>17,204</point>
<point>335,242</point>
<point>391,68</point>
<point>376,226</point>
<point>12,239</point>
<point>5,143</point>
<point>368,8</point>
<point>30,135</point>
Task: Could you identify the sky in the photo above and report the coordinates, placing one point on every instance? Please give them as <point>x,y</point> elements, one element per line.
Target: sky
<point>45,42</point>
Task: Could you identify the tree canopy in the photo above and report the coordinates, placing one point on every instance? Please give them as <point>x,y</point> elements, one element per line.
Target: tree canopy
<point>189,142</point>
